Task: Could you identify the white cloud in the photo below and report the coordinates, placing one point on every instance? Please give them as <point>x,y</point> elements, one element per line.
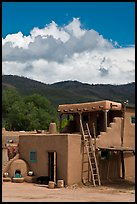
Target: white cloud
<point>51,30</point>
<point>54,54</point>
<point>17,40</point>
<point>74,28</point>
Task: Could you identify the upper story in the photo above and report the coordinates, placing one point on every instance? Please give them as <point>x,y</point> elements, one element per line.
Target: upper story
<point>111,122</point>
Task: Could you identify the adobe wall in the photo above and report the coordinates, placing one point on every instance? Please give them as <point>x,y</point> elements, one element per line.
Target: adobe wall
<point>68,164</point>
<point>129,130</point>
<point>4,155</point>
<point>129,141</point>
<point>74,159</point>
<point>113,135</point>
<point>129,160</point>
<point>44,144</point>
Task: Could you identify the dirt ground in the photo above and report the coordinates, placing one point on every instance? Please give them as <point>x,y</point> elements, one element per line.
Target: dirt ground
<point>118,191</point>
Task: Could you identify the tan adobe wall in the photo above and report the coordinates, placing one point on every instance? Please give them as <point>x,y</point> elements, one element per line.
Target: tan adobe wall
<point>61,143</point>
<point>4,155</point>
<point>113,135</point>
<point>13,135</point>
<point>43,144</point>
<point>129,160</point>
<point>74,159</point>
<point>129,130</point>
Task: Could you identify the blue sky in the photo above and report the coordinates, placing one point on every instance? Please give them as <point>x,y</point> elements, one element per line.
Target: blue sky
<point>114,20</point>
<point>91,42</point>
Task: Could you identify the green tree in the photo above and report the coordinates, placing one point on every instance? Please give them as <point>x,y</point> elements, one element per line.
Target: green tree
<point>9,97</point>
<point>26,113</point>
<point>43,113</point>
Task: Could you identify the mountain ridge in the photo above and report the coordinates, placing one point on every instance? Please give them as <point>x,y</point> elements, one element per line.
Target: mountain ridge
<point>71,91</point>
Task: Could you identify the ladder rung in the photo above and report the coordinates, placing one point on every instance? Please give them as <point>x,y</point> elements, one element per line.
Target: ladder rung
<point>92,160</point>
<point>90,151</point>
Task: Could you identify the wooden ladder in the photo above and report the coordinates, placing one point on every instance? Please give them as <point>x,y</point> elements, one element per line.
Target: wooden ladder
<point>92,170</point>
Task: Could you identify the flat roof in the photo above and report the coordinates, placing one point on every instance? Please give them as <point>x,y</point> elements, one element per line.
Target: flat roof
<point>89,107</point>
<point>50,135</point>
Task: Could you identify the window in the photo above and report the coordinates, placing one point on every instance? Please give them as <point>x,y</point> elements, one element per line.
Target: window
<point>132,119</point>
<point>33,156</point>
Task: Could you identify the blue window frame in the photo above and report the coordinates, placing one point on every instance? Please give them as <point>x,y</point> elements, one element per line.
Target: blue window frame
<point>33,156</point>
<point>132,119</point>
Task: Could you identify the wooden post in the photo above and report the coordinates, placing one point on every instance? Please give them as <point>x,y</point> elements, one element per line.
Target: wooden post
<point>82,143</point>
<point>108,169</point>
<point>94,132</point>
<point>123,165</point>
<point>55,167</point>
<point>122,141</point>
<point>123,125</point>
<point>105,120</point>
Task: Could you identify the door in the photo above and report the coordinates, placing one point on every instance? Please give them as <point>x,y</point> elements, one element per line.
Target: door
<point>52,157</point>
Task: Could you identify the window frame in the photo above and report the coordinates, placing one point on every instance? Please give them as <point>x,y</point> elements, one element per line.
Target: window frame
<point>131,119</point>
<point>33,158</point>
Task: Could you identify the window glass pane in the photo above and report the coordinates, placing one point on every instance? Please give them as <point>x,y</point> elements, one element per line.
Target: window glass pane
<point>33,156</point>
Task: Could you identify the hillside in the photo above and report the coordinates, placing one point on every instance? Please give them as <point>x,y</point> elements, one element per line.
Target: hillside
<point>71,91</point>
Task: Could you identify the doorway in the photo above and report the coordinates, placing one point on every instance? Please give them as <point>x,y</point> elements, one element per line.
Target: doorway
<point>52,171</point>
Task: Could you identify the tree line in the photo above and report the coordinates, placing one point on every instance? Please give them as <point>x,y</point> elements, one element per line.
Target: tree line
<point>33,112</point>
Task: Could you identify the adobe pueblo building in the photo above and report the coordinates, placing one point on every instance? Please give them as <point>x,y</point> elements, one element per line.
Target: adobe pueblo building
<point>97,144</point>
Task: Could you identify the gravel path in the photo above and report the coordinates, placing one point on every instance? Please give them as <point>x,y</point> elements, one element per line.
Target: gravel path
<point>27,192</point>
